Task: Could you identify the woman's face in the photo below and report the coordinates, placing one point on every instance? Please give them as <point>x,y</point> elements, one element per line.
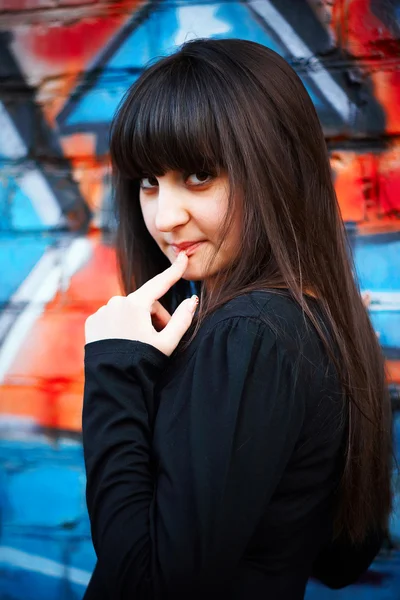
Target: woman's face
<point>185,212</point>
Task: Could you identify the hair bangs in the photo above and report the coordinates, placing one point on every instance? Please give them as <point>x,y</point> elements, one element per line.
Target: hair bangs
<point>167,123</point>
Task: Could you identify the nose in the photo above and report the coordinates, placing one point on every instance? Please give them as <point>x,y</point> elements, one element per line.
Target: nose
<point>171,209</point>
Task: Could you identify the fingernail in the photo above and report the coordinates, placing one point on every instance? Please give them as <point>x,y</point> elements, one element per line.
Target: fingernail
<point>181,256</point>
<point>194,300</point>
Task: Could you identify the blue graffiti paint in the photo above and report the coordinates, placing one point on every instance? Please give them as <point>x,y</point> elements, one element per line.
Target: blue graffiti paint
<point>158,36</point>
<point>377,262</point>
<point>50,541</point>
<point>18,256</point>
<point>17,212</point>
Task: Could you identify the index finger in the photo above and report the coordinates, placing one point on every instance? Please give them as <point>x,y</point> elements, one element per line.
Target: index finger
<point>159,285</point>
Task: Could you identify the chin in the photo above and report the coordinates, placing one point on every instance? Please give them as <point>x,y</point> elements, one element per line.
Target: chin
<point>193,275</point>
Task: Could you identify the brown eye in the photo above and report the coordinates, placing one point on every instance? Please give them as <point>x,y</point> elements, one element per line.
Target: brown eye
<point>199,178</point>
<point>148,183</point>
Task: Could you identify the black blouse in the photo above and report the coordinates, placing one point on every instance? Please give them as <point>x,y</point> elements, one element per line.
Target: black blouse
<point>213,473</point>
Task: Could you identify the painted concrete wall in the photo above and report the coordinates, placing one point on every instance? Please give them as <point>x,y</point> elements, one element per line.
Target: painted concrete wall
<point>64,66</point>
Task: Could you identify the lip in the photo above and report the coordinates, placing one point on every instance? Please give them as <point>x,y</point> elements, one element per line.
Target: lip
<point>188,247</point>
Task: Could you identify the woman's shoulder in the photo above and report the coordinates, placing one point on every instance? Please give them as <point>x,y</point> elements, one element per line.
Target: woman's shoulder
<point>261,329</point>
<point>273,315</point>
<point>277,310</point>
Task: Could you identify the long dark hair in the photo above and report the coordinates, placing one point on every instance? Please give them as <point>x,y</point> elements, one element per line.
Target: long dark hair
<point>237,105</point>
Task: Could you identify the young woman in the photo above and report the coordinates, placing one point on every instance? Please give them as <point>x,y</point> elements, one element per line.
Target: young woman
<point>235,453</point>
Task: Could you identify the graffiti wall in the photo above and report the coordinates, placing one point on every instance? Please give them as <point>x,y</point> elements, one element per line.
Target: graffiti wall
<point>64,66</point>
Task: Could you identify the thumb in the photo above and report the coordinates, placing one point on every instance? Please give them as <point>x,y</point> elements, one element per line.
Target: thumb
<point>178,324</point>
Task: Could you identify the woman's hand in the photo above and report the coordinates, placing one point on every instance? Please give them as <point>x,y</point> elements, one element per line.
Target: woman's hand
<point>131,317</point>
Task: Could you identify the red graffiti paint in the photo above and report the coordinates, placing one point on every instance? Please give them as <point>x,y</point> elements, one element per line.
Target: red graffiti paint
<point>76,39</point>
<point>362,35</point>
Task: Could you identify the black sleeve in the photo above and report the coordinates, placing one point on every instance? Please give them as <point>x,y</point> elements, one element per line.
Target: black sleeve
<point>342,563</point>
<point>157,537</point>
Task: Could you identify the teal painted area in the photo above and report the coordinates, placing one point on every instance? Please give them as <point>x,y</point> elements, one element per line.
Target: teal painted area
<point>23,236</point>
<point>377,261</point>
<point>387,324</point>
<point>18,256</point>
<point>50,482</point>
<point>44,520</point>
<point>17,212</point>
<point>43,516</point>
<point>158,36</point>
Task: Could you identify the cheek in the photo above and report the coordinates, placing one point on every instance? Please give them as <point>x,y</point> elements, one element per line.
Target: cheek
<point>208,223</point>
<point>210,214</point>
<point>213,218</point>
<point>232,238</point>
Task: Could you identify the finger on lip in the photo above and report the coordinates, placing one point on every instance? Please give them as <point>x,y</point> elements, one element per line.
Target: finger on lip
<point>159,285</point>
<point>181,258</point>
